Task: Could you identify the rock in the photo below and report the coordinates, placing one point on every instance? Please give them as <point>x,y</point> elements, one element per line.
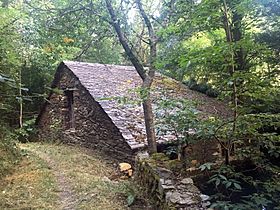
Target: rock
<point>164,173</point>
<point>167,184</point>
<point>137,146</point>
<point>182,198</point>
<point>187,181</point>
<point>188,188</point>
<point>206,204</point>
<point>167,187</point>
<point>142,155</point>
<point>204,197</point>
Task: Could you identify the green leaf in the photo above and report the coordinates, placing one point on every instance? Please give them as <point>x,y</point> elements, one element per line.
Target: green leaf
<point>218,181</point>
<point>228,184</point>
<point>24,89</point>
<point>202,167</point>
<point>205,166</point>
<point>130,199</point>
<point>237,186</point>
<point>2,79</point>
<point>222,177</point>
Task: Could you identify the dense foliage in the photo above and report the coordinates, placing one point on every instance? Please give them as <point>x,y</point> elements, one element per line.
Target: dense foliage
<point>228,46</point>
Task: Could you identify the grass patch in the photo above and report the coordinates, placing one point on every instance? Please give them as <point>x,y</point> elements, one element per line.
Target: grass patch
<point>9,152</point>
<point>89,176</point>
<point>31,186</point>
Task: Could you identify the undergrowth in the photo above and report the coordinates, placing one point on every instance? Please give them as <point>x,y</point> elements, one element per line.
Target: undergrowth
<point>9,152</point>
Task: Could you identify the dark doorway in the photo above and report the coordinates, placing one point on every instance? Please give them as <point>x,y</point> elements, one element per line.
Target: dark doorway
<point>70,105</point>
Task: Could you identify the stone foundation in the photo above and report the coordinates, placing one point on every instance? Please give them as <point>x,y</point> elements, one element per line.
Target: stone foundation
<point>166,191</point>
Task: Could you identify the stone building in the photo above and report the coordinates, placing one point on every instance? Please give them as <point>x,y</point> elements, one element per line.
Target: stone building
<point>98,106</point>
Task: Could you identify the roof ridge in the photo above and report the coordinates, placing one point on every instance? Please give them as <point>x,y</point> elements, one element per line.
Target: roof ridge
<point>125,67</point>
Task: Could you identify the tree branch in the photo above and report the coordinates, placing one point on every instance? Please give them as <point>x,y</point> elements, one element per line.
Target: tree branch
<point>134,60</point>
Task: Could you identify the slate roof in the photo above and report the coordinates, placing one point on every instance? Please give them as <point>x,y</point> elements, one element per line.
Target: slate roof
<point>109,85</point>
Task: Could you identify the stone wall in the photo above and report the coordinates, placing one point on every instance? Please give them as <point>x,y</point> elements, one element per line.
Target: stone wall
<point>93,127</point>
<point>167,191</point>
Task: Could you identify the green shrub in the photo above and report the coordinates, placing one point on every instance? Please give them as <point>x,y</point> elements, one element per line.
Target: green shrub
<point>9,152</point>
<point>27,132</point>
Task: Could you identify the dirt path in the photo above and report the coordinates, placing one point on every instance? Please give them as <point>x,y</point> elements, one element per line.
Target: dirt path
<point>55,177</point>
<point>67,197</point>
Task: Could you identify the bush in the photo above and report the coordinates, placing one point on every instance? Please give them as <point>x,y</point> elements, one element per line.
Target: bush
<point>27,132</point>
<point>251,179</point>
<point>9,152</point>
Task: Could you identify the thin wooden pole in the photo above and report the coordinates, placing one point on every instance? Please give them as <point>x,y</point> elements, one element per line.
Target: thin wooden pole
<point>20,102</point>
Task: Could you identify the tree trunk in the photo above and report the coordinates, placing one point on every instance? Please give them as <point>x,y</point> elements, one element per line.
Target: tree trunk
<point>237,36</point>
<point>149,125</point>
<point>231,70</point>
<point>147,83</point>
<point>147,78</point>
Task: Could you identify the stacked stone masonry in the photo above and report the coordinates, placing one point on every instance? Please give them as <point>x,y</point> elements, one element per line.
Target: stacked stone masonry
<point>93,127</point>
<point>166,191</point>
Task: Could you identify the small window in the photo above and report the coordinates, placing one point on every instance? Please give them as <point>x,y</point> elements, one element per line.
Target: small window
<point>70,106</point>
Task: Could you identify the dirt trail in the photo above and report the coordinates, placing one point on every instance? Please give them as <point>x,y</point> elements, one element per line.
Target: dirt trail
<point>68,199</point>
<point>62,177</point>
<point>81,179</point>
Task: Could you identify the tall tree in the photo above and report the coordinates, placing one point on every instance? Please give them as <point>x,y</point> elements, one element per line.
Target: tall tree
<point>10,63</point>
<point>148,77</point>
